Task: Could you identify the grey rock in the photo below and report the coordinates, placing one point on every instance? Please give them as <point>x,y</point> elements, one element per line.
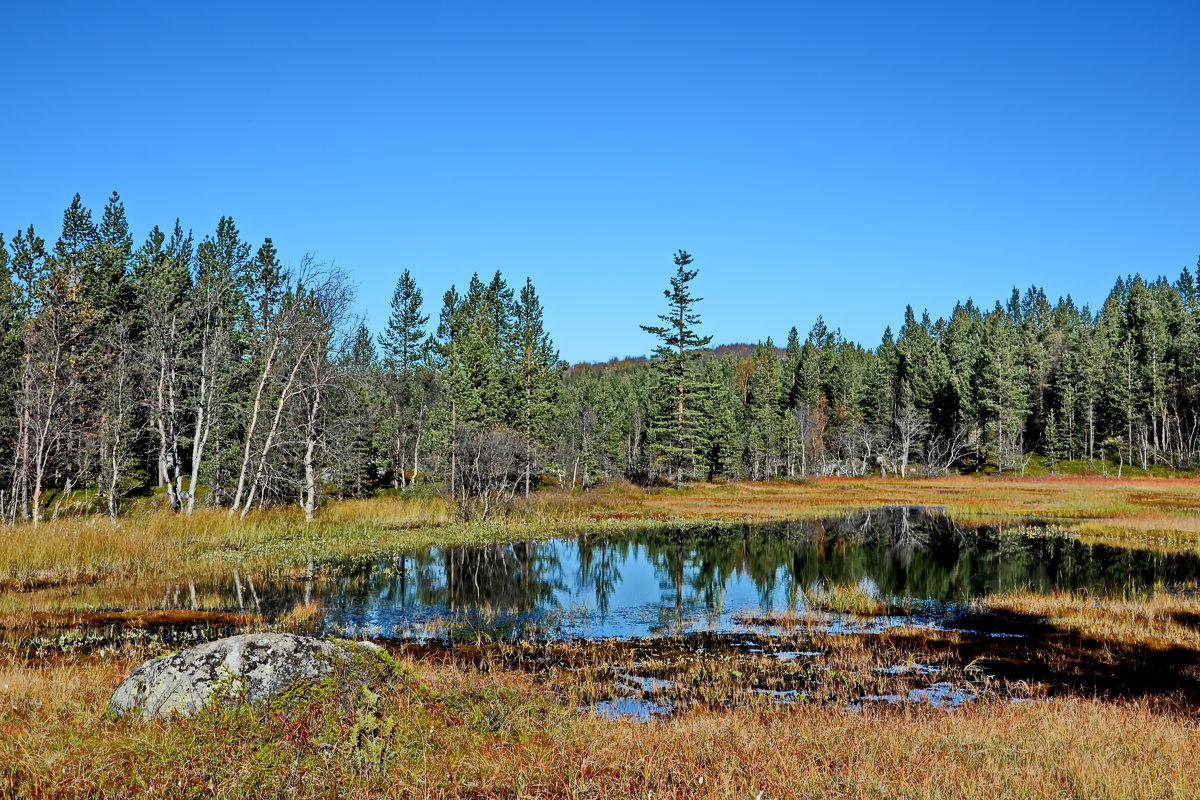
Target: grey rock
<point>249,667</point>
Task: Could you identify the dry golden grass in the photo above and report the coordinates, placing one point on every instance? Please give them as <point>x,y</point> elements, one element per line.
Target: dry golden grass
<point>124,619</point>
<point>75,550</point>
<point>390,511</point>
<point>1146,511</point>
<point>301,615</point>
<point>444,728</point>
<point>1171,503</point>
<point>1159,621</point>
<point>1155,512</point>
<point>448,731</point>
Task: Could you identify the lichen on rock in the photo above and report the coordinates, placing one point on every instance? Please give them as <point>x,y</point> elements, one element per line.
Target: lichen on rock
<point>246,668</point>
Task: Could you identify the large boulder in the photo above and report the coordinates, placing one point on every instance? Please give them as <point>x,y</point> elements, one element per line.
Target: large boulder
<point>249,667</point>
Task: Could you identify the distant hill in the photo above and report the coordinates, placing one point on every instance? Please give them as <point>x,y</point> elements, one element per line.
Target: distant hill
<point>738,350</point>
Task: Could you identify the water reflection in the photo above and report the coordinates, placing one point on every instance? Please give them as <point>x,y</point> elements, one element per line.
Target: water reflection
<point>663,581</point>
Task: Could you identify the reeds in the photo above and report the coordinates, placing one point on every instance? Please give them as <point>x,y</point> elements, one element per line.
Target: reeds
<point>455,731</point>
<point>1144,511</point>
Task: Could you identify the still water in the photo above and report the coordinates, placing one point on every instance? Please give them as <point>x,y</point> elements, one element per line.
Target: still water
<point>663,581</point>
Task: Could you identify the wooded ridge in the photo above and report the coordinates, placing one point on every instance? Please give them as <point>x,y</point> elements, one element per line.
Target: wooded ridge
<point>213,373</point>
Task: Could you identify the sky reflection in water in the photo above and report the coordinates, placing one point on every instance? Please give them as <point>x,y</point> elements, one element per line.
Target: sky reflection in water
<point>662,581</point>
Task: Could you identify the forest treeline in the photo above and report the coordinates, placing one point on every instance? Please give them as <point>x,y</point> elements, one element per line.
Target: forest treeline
<point>204,369</point>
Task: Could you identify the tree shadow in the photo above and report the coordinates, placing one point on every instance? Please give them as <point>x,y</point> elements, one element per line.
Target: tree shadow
<point>1018,648</point>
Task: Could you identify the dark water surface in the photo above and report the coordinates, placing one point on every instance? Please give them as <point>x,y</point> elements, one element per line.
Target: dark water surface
<point>665,582</point>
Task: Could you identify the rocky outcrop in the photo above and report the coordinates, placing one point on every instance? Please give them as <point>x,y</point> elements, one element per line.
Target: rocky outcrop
<point>246,668</point>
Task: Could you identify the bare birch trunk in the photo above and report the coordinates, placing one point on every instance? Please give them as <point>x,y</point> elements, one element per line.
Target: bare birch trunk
<point>205,410</point>
<point>257,409</point>
<point>310,475</point>
<point>260,471</point>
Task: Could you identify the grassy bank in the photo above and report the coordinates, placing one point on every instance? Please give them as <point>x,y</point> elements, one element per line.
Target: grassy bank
<point>444,730</point>
<point>1114,685</point>
<point>453,732</point>
<point>1159,512</point>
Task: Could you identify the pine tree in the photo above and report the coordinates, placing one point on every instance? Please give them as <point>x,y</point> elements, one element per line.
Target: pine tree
<point>765,412</point>
<point>674,433</point>
<point>403,354</point>
<point>1053,446</point>
<point>109,289</point>
<point>1003,391</point>
<point>405,332</point>
<point>538,374</point>
<point>226,364</point>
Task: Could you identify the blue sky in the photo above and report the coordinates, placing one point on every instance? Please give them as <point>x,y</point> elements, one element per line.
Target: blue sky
<point>841,159</point>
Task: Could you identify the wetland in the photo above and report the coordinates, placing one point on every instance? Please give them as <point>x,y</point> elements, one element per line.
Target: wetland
<point>548,635</point>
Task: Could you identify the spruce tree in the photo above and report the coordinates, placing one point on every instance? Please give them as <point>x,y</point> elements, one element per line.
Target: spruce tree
<point>1003,388</point>
<point>405,330</point>
<point>675,431</point>
<point>9,368</point>
<point>265,287</point>
<point>77,372</point>
<point>538,374</point>
<point>462,398</point>
<point>403,356</point>
<point>163,291</point>
<point>496,345</point>
<point>111,291</point>
<point>1052,447</point>
<point>225,361</point>
<point>8,299</point>
<point>721,440</point>
<point>764,408</point>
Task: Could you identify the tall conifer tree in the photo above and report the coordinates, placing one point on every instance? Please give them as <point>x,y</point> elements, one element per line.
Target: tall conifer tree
<point>538,375</point>
<point>674,432</point>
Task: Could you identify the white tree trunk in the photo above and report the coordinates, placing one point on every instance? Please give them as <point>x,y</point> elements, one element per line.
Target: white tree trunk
<point>257,409</point>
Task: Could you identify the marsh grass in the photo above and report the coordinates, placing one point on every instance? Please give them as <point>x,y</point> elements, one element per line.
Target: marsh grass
<point>798,712</point>
<point>1016,646</point>
<point>81,549</point>
<point>1163,620</point>
<point>816,603</point>
<point>724,671</point>
<point>458,731</point>
<point>35,620</point>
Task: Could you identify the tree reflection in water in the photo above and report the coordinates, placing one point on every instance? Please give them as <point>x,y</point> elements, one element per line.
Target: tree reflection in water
<point>660,580</point>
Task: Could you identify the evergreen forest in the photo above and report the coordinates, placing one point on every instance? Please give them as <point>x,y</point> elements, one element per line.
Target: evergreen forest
<point>202,370</point>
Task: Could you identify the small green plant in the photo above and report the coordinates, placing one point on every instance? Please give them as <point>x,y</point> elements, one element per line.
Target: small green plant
<point>370,737</point>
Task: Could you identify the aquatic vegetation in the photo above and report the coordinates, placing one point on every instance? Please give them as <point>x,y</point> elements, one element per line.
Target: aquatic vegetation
<point>448,729</point>
<point>806,694</point>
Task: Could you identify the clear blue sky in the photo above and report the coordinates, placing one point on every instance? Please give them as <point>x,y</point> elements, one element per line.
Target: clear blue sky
<point>842,159</point>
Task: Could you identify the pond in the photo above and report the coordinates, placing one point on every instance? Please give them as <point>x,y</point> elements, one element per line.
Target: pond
<point>647,622</point>
<point>661,581</point>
